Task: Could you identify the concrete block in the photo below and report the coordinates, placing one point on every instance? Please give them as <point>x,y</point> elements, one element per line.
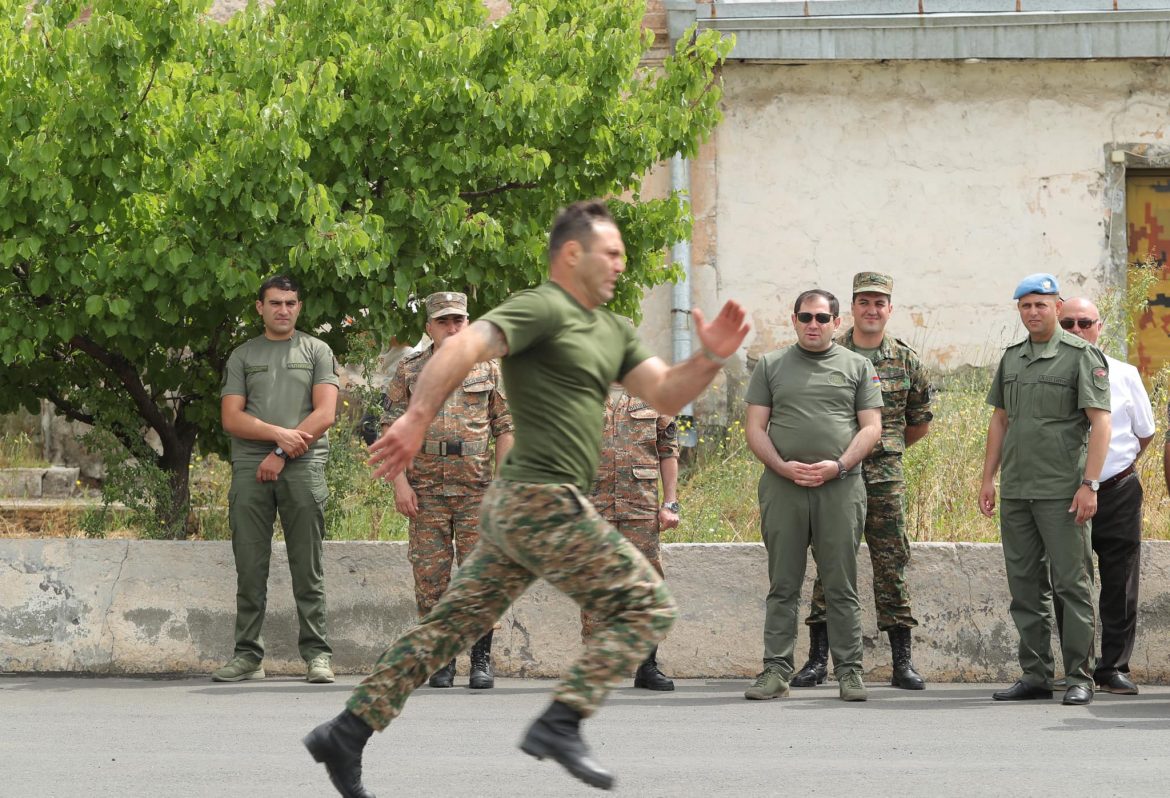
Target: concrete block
<point>137,607</point>
<point>21,483</point>
<point>60,482</point>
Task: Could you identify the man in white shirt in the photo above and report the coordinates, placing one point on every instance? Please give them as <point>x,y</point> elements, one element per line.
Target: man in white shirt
<point>1117,526</point>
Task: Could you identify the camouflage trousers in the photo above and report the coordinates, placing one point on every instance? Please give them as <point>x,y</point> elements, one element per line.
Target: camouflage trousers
<point>643,533</point>
<point>530,531</point>
<point>446,528</point>
<point>889,551</point>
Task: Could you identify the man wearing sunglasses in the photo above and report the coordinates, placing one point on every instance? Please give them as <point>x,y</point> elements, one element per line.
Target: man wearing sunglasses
<point>1117,526</point>
<point>1050,431</point>
<point>906,419</point>
<point>813,414</point>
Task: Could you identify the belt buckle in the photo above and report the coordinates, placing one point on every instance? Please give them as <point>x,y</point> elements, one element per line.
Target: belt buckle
<point>450,447</point>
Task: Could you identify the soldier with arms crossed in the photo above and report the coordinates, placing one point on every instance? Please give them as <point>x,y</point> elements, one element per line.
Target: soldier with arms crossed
<point>906,419</point>
<point>279,398</point>
<point>561,350</point>
<point>813,414</point>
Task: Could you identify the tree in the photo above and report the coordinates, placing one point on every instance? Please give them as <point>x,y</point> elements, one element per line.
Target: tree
<point>156,166</point>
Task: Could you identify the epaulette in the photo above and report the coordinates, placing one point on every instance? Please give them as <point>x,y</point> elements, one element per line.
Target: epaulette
<point>1017,343</point>
<point>904,345</point>
<point>415,355</point>
<point>1074,341</point>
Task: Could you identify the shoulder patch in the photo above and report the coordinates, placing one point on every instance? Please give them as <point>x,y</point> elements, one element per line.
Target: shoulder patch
<point>1101,377</point>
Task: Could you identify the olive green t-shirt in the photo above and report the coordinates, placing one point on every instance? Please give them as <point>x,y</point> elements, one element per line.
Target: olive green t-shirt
<point>814,398</point>
<point>1044,388</point>
<point>276,379</point>
<point>561,360</point>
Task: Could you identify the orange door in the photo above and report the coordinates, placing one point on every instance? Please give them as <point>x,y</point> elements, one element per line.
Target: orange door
<point>1147,212</point>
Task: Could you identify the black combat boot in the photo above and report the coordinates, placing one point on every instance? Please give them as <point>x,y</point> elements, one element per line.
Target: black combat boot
<point>338,744</point>
<point>482,676</point>
<point>649,677</point>
<point>904,675</point>
<point>557,734</point>
<point>444,676</point>
<point>816,670</point>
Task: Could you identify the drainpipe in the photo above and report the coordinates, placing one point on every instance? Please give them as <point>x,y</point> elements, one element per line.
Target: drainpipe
<point>680,305</point>
<point>680,17</point>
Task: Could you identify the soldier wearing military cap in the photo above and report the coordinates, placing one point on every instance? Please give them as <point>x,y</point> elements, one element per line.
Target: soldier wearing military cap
<point>906,417</point>
<point>441,492</point>
<point>1050,431</point>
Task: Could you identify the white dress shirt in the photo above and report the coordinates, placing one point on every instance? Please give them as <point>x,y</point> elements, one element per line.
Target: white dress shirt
<point>1132,417</point>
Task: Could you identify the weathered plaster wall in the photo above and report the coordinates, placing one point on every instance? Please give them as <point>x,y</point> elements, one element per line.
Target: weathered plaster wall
<point>956,178</point>
<point>167,607</point>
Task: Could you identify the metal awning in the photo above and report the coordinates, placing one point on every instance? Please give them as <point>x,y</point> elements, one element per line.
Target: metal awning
<point>866,30</point>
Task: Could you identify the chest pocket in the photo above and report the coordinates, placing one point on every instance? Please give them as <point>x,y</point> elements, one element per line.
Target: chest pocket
<point>1053,397</point>
<point>644,423</point>
<point>478,389</point>
<point>1011,393</point>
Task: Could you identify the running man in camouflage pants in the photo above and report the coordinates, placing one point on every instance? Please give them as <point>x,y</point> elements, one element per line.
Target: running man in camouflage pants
<point>560,350</point>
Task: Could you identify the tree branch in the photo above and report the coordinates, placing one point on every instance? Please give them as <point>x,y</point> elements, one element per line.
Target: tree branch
<point>487,192</point>
<point>67,408</point>
<point>128,376</point>
<point>146,91</point>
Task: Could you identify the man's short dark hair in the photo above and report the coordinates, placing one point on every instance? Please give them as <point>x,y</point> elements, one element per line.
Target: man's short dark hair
<point>281,282</point>
<point>834,305</point>
<point>575,223</point>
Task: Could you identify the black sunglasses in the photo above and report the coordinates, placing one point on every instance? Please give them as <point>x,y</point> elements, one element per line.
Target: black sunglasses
<point>1084,324</point>
<point>822,318</point>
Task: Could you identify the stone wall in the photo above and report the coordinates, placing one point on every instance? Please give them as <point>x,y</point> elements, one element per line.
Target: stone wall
<point>140,607</point>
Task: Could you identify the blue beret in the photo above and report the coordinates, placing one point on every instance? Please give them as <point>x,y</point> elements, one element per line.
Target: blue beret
<point>1039,283</point>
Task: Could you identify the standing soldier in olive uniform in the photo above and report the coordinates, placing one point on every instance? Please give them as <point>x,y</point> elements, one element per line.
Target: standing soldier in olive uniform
<point>906,419</point>
<point>638,446</point>
<point>441,491</point>
<point>278,400</point>
<point>1050,429</point>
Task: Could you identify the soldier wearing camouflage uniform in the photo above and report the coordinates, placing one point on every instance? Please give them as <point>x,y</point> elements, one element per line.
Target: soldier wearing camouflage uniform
<point>638,446</point>
<point>906,418</point>
<point>441,491</point>
<point>561,349</point>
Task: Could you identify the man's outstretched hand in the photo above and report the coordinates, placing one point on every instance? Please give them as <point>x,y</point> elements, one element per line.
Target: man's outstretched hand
<point>723,334</point>
<point>392,452</point>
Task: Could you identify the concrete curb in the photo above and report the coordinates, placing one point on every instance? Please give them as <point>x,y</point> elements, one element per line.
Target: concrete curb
<point>139,607</point>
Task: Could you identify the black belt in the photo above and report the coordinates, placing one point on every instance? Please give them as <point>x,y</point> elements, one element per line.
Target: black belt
<point>1113,480</point>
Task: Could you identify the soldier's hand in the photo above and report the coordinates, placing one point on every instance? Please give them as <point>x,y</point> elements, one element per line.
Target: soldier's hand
<point>405,500</point>
<point>392,452</point>
<point>667,519</point>
<point>987,499</point>
<point>270,468</point>
<point>1084,504</point>
<point>813,475</point>
<point>294,442</point>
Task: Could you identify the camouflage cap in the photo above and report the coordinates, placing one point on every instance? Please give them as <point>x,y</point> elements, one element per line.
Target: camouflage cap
<point>446,303</point>
<point>873,282</point>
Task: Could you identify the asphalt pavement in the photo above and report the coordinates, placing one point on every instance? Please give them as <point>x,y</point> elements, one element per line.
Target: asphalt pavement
<point>67,736</point>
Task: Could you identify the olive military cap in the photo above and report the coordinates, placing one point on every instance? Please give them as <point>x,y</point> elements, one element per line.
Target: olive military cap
<point>873,282</point>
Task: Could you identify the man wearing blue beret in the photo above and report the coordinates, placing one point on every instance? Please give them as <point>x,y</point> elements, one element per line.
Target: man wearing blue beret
<point>1050,432</point>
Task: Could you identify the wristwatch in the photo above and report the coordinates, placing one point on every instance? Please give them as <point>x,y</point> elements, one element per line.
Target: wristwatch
<point>674,507</point>
<point>281,453</point>
<point>1093,484</point>
<point>842,471</point>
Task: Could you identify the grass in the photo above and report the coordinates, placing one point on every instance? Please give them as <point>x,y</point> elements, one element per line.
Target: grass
<point>943,474</point>
<point>717,488</point>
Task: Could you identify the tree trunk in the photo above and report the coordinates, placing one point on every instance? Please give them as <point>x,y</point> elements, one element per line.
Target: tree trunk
<point>174,515</point>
